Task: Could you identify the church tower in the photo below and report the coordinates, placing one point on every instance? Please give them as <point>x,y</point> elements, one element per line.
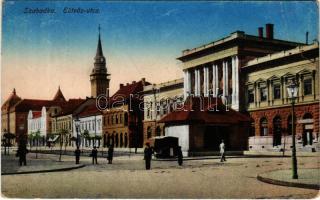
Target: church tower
<point>99,77</point>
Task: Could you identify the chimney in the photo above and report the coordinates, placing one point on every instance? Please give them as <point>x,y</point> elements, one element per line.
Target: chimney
<point>127,84</point>
<point>269,31</point>
<point>121,85</point>
<point>133,82</point>
<point>260,32</point>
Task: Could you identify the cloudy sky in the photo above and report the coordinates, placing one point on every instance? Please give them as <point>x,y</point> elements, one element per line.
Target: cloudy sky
<point>139,39</point>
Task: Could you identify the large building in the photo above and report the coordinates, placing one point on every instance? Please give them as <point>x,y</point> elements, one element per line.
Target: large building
<point>159,100</point>
<point>217,70</point>
<point>15,112</point>
<point>123,118</point>
<point>267,99</point>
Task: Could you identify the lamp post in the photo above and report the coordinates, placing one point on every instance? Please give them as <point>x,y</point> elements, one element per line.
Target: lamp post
<point>292,94</point>
<point>77,125</point>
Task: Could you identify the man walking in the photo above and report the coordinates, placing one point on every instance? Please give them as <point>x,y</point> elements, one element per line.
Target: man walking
<point>22,153</point>
<point>222,151</point>
<point>180,156</point>
<point>148,156</point>
<point>110,154</point>
<point>94,154</point>
<point>77,154</point>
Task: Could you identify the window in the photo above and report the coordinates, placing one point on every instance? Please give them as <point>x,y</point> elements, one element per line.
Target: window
<point>276,92</point>
<point>263,94</point>
<point>250,96</point>
<point>149,132</point>
<point>307,86</point>
<point>264,127</point>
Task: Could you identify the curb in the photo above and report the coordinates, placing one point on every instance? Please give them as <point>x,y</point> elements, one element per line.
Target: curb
<point>44,171</point>
<point>289,184</point>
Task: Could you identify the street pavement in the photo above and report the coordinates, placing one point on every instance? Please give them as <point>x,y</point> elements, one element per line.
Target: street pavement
<point>127,178</point>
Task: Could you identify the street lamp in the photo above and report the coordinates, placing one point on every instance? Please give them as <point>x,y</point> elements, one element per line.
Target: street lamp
<point>77,125</point>
<point>292,89</point>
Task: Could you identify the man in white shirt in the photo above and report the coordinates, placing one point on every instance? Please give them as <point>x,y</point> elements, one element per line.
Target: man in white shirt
<point>222,149</point>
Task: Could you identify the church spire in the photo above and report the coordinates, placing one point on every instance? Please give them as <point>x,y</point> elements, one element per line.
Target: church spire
<point>99,47</point>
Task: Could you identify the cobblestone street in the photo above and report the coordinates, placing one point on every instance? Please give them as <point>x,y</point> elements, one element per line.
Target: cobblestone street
<point>126,178</point>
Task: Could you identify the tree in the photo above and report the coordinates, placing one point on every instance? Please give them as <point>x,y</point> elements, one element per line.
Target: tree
<point>85,135</point>
<point>36,136</point>
<point>63,134</point>
<point>6,141</point>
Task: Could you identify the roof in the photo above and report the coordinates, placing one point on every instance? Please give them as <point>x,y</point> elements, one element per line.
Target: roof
<point>34,104</point>
<point>282,54</point>
<point>207,110</point>
<point>12,99</point>
<point>70,106</point>
<point>90,110</point>
<point>59,96</point>
<point>237,35</point>
<point>36,114</point>
<point>161,86</point>
<point>126,90</point>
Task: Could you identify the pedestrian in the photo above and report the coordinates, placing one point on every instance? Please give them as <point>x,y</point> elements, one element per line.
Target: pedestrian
<point>77,154</point>
<point>180,156</point>
<point>22,153</point>
<point>222,151</point>
<point>110,154</point>
<point>94,154</point>
<point>148,156</point>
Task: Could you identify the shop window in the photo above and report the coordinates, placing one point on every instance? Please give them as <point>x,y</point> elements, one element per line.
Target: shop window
<point>276,92</point>
<point>307,86</point>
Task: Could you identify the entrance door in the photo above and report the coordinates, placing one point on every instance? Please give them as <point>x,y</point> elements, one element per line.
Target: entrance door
<point>213,136</point>
<point>277,131</point>
<point>307,137</point>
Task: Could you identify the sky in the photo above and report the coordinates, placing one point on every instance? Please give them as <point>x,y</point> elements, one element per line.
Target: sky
<point>41,52</point>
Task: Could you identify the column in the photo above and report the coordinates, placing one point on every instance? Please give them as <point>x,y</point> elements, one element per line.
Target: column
<point>227,79</point>
<point>237,81</point>
<point>217,80</point>
<point>233,80</point>
<point>189,81</point>
<point>185,84</point>
<point>195,82</point>
<point>213,80</point>
<point>224,78</point>
<point>205,81</point>
<point>199,83</point>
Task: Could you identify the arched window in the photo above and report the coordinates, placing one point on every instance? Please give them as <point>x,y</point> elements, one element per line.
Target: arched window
<point>158,131</point>
<point>263,127</point>
<point>125,140</point>
<point>289,124</point>
<point>121,140</point>
<point>126,118</point>
<point>117,119</point>
<point>277,131</point>
<point>307,116</point>
<point>307,134</point>
<point>252,128</point>
<point>149,132</point>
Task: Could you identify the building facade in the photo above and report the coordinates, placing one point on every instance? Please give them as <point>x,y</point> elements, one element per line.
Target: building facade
<point>268,103</point>
<point>123,119</point>
<point>159,100</point>
<point>215,70</point>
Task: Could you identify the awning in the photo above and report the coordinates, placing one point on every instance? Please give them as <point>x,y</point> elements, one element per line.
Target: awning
<point>54,139</point>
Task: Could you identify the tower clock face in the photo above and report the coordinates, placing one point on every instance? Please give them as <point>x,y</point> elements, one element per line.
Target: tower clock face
<point>101,59</point>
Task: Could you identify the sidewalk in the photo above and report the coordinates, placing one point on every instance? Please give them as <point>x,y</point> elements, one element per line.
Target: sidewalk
<point>10,164</point>
<point>308,178</point>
